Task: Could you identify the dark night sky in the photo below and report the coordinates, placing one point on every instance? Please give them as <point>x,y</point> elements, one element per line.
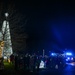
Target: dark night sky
<point>51,25</point>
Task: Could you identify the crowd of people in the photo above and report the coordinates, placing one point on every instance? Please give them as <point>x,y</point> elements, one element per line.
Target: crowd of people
<point>33,62</point>
<point>27,62</point>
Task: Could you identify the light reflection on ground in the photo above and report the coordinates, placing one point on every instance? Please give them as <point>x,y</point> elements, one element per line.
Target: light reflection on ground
<point>68,70</point>
<point>72,64</point>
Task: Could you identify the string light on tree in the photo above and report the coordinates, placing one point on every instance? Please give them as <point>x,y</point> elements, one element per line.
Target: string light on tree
<point>7,50</point>
<point>6,14</point>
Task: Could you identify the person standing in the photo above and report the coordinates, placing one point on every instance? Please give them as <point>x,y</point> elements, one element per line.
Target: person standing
<point>38,63</point>
<point>12,59</point>
<point>16,62</point>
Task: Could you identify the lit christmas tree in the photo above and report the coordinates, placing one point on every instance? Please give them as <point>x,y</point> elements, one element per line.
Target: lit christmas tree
<point>1,44</point>
<point>7,50</point>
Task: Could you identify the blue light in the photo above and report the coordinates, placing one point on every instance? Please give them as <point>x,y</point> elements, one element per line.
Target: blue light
<point>53,54</point>
<point>69,53</point>
<point>68,58</point>
<point>72,58</point>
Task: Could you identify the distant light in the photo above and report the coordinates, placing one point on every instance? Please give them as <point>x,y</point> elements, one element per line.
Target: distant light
<point>53,54</point>
<point>68,53</point>
<point>72,58</point>
<point>68,58</point>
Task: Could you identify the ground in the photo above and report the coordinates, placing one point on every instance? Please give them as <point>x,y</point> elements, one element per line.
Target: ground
<point>9,70</point>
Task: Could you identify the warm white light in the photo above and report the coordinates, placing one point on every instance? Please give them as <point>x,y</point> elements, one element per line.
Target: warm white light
<point>7,51</point>
<point>6,14</point>
<point>42,64</point>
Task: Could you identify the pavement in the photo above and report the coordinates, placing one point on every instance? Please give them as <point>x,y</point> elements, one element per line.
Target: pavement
<point>68,70</point>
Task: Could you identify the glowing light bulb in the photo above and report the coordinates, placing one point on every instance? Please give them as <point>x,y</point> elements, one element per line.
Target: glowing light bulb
<point>6,14</point>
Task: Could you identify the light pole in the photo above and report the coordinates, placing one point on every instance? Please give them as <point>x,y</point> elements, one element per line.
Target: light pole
<point>43,52</point>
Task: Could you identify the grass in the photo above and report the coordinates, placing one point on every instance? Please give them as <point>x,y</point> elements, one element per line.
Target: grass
<point>7,65</point>
<point>9,70</point>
